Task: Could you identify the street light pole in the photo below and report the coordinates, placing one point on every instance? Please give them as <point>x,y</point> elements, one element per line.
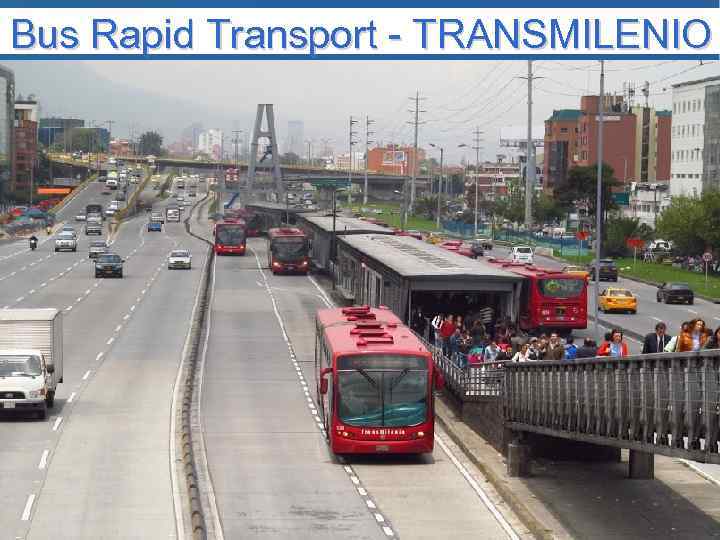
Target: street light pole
<point>440,181</point>
<point>598,202</point>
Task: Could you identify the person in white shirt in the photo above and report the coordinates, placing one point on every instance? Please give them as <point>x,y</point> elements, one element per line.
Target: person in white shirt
<point>523,355</point>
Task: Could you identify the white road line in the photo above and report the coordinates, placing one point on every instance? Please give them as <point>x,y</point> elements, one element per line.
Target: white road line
<point>126,317</point>
<point>692,311</point>
<point>43,284</point>
<point>716,318</point>
<point>6,307</point>
<point>20,299</point>
<point>478,490</point>
<point>68,308</point>
<point>99,356</point>
<point>31,291</point>
<point>43,459</point>
<point>88,291</point>
<point>69,269</point>
<point>132,308</point>
<point>656,318</point>
<point>388,531</point>
<point>28,507</point>
<point>23,268</point>
<point>87,374</point>
<point>118,327</point>
<point>143,291</point>
<point>109,341</point>
<point>71,397</point>
<point>79,299</point>
<point>57,423</point>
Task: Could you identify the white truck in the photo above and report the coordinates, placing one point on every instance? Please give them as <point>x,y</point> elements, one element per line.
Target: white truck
<point>31,359</point>
<point>112,180</point>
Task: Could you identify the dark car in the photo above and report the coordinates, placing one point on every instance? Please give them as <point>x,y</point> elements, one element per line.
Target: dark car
<point>606,270</point>
<point>478,248</point>
<point>109,264</point>
<point>675,292</point>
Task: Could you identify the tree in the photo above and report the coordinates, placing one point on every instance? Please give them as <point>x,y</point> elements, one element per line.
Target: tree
<point>692,224</point>
<point>546,209</point>
<point>617,232</point>
<point>426,206</point>
<point>581,185</point>
<point>150,144</point>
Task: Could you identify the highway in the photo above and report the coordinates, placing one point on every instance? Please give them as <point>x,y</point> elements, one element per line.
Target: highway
<point>273,474</point>
<point>98,467</point>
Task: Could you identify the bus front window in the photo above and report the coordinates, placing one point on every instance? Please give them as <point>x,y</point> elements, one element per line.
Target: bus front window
<point>387,391</point>
<point>230,236</point>
<point>561,288</point>
<point>289,249</point>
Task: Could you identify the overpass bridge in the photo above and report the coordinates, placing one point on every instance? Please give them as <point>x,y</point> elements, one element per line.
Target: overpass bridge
<point>666,404</point>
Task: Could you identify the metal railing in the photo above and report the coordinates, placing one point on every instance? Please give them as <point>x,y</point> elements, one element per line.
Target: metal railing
<point>661,403</point>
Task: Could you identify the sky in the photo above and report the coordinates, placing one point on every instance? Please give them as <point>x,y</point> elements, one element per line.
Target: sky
<point>458,95</point>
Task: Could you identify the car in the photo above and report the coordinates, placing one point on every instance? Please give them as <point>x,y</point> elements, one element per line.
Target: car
<point>675,292</point>
<point>157,216</point>
<point>606,270</point>
<point>97,248</point>
<point>576,271</point>
<point>120,196</point>
<point>154,226</point>
<point>486,243</point>
<point>66,241</point>
<point>93,228</point>
<point>616,299</point>
<point>109,264</point>
<point>192,194</point>
<point>478,248</point>
<point>521,254</point>
<point>69,229</point>
<point>80,216</point>
<point>110,211</point>
<point>179,258</point>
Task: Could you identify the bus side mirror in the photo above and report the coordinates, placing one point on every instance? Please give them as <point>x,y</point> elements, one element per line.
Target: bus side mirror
<point>324,381</point>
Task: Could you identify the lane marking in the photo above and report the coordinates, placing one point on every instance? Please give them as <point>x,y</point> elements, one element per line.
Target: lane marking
<point>126,317</point>
<point>72,397</point>
<point>31,291</point>
<point>28,507</point>
<point>657,319</point>
<point>132,308</point>
<point>43,284</point>
<point>20,299</point>
<point>68,308</point>
<point>99,356</point>
<point>692,311</point>
<point>43,459</point>
<point>88,291</point>
<point>478,490</point>
<point>118,328</point>
<point>109,341</point>
<point>79,299</point>
<point>57,423</point>
<point>87,374</point>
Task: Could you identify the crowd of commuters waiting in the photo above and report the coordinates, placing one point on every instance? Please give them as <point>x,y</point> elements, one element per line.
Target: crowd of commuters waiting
<point>482,342</point>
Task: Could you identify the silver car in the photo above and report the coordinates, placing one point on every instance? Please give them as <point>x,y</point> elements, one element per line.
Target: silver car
<point>179,258</point>
<point>80,216</point>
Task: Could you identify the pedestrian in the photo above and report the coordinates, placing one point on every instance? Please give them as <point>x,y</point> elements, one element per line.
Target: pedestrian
<point>533,353</point>
<point>714,341</point>
<point>436,323</point>
<point>454,343</point>
<point>555,349</point>
<point>674,342</point>
<point>588,349</point>
<point>656,341</point>
<point>447,329</point>
<point>418,321</point>
<point>478,334</point>
<point>694,339</point>
<point>523,355</point>
<point>459,324</point>
<point>542,347</point>
<point>616,347</point>
<point>570,349</point>
<point>491,352</point>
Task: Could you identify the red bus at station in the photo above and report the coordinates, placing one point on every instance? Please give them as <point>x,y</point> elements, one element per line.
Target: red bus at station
<point>288,250</point>
<point>549,299</point>
<point>229,238</point>
<point>375,383</point>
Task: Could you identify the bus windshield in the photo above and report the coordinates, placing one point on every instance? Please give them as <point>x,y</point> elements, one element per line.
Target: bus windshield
<point>289,248</point>
<point>561,288</point>
<point>382,390</point>
<point>230,236</point>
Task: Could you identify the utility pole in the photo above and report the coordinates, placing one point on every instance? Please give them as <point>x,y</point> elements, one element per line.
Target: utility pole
<point>530,159</point>
<point>416,123</point>
<point>236,142</point>
<point>440,181</point>
<point>477,148</point>
<point>351,143</point>
<point>110,125</point>
<point>368,123</point>
<point>598,202</point>
<point>309,153</point>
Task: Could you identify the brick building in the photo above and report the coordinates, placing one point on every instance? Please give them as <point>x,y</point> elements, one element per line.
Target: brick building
<point>635,141</point>
<point>394,159</point>
<point>26,145</point>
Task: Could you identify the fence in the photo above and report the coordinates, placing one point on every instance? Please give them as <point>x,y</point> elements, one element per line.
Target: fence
<point>662,403</point>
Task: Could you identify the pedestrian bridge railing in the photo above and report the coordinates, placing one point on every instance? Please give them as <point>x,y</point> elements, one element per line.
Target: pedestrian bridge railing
<point>666,403</point>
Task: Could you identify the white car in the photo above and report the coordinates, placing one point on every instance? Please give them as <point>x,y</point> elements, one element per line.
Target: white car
<point>179,258</point>
<point>80,216</point>
<point>66,241</point>
<point>522,254</point>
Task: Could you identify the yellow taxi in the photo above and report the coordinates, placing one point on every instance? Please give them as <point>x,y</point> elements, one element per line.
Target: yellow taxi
<point>614,299</point>
<point>576,271</point>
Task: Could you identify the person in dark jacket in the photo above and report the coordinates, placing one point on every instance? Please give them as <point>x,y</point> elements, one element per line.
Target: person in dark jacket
<point>656,342</point>
<point>555,349</point>
<point>588,349</point>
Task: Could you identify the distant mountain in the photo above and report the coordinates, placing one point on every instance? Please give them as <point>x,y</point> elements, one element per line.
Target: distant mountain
<point>73,88</point>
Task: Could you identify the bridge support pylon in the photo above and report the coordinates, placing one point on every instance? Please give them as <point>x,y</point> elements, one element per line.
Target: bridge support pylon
<point>270,150</point>
<point>518,458</point>
<point>641,465</point>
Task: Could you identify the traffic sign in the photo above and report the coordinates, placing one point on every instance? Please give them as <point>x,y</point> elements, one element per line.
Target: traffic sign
<point>635,242</point>
<point>337,183</point>
<point>707,257</point>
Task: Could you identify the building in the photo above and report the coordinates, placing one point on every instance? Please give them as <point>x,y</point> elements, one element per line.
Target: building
<point>647,201</point>
<point>395,159</point>
<point>295,138</point>
<point>25,161</point>
<point>342,161</point>
<point>121,147</point>
<point>51,130</point>
<point>7,131</point>
<point>190,136</point>
<point>695,135</point>
<point>210,142</point>
<point>635,141</point>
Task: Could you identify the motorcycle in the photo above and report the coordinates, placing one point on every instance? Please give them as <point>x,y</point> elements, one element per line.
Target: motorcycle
<point>33,244</point>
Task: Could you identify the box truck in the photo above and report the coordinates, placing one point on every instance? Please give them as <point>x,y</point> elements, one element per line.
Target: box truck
<point>31,359</point>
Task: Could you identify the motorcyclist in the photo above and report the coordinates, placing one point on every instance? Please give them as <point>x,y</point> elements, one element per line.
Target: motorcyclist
<point>33,242</point>
<point>48,230</point>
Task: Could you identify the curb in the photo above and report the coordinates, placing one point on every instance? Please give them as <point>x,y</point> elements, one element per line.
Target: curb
<point>500,484</point>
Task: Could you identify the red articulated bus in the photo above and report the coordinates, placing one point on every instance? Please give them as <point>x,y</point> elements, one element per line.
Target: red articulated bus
<point>549,299</point>
<point>288,250</point>
<point>229,238</point>
<point>375,383</point>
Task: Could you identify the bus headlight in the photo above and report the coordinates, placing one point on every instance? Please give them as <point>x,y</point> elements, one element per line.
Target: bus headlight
<point>276,265</point>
